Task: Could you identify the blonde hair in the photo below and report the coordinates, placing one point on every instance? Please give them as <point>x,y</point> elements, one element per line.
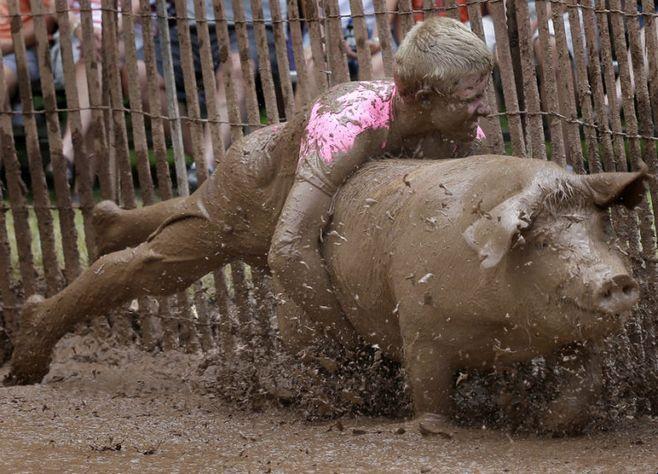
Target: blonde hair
<point>436,53</point>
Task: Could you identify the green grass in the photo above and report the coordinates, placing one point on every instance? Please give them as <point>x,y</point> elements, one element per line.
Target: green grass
<point>36,241</point>
<point>153,161</point>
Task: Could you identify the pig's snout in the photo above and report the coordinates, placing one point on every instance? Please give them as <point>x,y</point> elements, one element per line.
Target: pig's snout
<point>616,294</point>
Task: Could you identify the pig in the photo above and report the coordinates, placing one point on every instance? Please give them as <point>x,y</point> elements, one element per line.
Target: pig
<point>479,263</point>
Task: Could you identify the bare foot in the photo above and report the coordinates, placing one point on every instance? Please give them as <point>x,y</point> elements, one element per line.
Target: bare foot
<point>104,218</point>
<point>30,361</point>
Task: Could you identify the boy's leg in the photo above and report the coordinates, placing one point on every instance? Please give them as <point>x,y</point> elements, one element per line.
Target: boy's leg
<point>175,257</point>
<point>116,228</point>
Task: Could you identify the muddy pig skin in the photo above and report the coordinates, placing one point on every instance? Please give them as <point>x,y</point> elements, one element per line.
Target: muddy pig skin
<point>477,263</point>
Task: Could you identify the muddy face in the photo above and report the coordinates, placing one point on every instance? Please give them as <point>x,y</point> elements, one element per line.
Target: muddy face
<point>457,114</point>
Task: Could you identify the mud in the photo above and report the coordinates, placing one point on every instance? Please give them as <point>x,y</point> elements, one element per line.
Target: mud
<point>120,409</point>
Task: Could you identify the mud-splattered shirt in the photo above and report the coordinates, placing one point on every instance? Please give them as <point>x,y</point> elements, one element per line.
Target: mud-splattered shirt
<point>333,128</point>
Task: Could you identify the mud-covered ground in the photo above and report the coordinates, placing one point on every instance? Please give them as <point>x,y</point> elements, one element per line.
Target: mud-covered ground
<point>108,409</point>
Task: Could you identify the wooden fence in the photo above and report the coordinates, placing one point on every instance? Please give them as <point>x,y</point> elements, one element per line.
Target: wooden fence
<point>554,97</point>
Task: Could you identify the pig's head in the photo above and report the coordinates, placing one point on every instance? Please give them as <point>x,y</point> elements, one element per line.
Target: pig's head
<point>550,246</point>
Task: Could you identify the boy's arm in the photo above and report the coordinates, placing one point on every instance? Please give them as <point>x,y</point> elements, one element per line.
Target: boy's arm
<point>296,260</point>
<point>345,127</point>
<point>295,254</point>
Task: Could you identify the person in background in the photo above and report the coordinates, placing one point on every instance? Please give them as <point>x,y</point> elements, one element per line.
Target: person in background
<point>440,8</point>
<point>233,61</point>
<point>349,46</point>
<point>9,63</point>
<point>75,22</point>
<point>418,5</point>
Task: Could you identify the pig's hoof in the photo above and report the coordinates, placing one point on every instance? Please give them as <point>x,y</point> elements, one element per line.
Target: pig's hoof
<point>30,361</point>
<point>103,219</point>
<point>432,424</point>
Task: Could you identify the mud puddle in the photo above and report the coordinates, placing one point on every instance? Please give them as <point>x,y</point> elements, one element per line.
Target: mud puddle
<point>108,409</point>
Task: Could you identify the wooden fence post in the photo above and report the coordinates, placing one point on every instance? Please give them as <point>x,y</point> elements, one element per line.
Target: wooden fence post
<point>507,75</point>
<point>534,125</point>
<point>15,188</point>
<point>42,205</point>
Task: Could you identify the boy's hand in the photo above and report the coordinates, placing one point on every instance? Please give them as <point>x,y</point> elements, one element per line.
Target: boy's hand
<point>374,45</point>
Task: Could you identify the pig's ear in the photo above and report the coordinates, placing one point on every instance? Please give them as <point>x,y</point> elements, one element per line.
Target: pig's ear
<point>494,233</point>
<point>617,188</point>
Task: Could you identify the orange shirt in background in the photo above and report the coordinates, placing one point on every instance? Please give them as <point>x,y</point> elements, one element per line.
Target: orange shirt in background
<point>419,15</point>
<point>24,9</point>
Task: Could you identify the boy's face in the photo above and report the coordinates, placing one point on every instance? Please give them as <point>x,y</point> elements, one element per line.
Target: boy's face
<point>457,114</point>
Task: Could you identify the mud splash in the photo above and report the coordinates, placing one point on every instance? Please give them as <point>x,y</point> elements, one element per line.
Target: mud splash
<point>325,383</point>
<point>105,407</point>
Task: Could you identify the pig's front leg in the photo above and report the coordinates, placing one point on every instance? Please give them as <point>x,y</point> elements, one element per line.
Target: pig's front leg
<point>430,376</point>
<point>581,380</point>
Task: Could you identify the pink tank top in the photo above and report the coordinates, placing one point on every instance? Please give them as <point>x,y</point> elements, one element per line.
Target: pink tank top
<point>332,129</point>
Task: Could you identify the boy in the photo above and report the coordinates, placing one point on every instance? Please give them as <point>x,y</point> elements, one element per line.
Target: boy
<point>290,170</point>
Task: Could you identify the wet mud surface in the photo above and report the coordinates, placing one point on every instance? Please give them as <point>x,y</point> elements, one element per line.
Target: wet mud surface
<point>110,409</point>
